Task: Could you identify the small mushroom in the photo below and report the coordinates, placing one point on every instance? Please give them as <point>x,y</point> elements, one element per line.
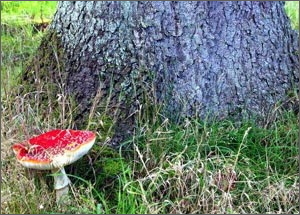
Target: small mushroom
<point>52,151</point>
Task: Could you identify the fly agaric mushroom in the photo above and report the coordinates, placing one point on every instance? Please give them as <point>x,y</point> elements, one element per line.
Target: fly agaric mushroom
<point>52,151</point>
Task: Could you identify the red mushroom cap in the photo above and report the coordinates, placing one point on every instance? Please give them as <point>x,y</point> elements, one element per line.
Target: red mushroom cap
<point>54,149</point>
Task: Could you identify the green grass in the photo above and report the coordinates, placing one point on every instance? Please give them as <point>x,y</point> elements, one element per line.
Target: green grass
<point>292,10</point>
<point>197,167</point>
<point>20,36</point>
<point>20,12</point>
<point>186,167</point>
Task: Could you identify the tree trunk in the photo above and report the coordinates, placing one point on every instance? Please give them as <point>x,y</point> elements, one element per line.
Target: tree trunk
<point>203,59</point>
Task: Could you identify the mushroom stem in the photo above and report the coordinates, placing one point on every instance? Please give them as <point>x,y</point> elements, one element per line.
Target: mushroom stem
<point>61,182</point>
<point>61,195</point>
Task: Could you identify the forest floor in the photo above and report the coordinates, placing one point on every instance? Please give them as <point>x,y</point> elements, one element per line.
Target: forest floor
<point>198,167</point>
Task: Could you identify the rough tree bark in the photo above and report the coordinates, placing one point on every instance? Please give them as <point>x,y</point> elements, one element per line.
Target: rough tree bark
<point>198,58</point>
